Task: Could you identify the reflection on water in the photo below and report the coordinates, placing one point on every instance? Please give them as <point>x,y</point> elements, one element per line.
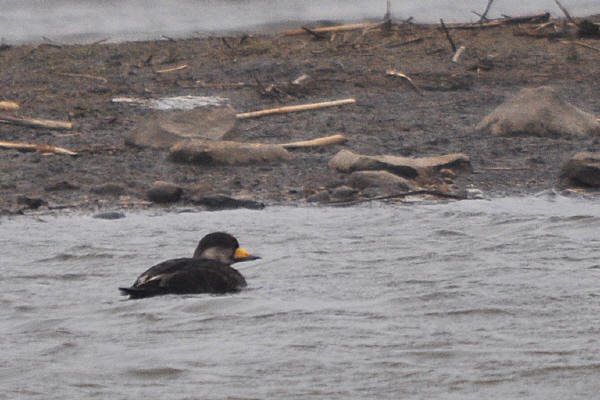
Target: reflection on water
<point>88,20</point>
<point>466,300</point>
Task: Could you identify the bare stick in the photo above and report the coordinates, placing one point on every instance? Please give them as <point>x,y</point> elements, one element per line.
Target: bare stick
<point>9,105</point>
<point>322,141</point>
<point>587,46</point>
<point>564,10</point>
<point>172,69</point>
<point>35,123</point>
<point>98,78</point>
<point>335,28</point>
<point>393,72</point>
<point>300,107</point>
<point>458,53</point>
<point>448,35</point>
<point>487,8</point>
<point>43,148</point>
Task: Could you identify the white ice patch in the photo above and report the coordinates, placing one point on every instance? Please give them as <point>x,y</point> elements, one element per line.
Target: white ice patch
<point>174,103</point>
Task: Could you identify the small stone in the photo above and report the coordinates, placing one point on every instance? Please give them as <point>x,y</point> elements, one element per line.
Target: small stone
<point>109,215</point>
<point>221,202</point>
<point>319,197</point>
<point>343,193</point>
<point>164,192</point>
<point>30,202</point>
<point>62,185</point>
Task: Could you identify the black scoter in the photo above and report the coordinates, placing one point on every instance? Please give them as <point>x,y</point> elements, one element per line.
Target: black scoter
<point>208,271</point>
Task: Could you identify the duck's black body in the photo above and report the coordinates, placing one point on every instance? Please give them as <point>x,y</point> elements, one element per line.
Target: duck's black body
<point>209,271</point>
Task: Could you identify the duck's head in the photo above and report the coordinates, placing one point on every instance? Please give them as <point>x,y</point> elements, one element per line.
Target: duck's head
<point>223,247</point>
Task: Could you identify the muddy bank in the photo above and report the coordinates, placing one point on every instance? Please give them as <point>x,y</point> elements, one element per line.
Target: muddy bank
<point>77,83</point>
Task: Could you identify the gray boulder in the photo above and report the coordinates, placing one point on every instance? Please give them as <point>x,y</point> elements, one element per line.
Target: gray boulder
<point>226,152</point>
<point>347,161</point>
<point>582,170</point>
<point>538,112</point>
<point>163,129</point>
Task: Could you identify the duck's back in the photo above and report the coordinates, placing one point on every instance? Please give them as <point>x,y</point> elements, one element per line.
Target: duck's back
<point>186,275</point>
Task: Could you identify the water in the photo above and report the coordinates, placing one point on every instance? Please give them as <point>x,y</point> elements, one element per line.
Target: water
<point>467,300</point>
<point>90,20</point>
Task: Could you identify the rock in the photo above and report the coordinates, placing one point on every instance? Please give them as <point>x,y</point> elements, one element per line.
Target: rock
<point>220,202</point>
<point>30,202</point>
<point>164,192</point>
<point>582,169</point>
<point>364,179</point>
<point>109,215</point>
<point>344,193</point>
<point>538,112</point>
<point>62,185</point>
<point>112,189</point>
<point>226,152</point>
<point>347,161</point>
<point>319,197</point>
<point>163,129</point>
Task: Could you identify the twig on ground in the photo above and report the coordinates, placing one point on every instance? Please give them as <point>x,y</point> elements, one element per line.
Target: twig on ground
<point>35,123</point>
<point>300,107</point>
<point>393,72</point>
<point>172,69</point>
<point>9,105</point>
<point>43,148</point>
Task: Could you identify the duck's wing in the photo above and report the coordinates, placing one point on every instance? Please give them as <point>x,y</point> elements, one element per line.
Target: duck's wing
<point>186,275</point>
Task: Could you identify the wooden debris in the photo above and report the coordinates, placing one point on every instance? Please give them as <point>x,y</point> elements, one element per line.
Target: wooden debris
<point>487,9</point>
<point>448,35</point>
<point>458,53</point>
<point>587,46</point>
<point>98,78</point>
<point>322,141</point>
<point>315,34</point>
<point>300,107</point>
<point>35,122</point>
<point>393,72</point>
<point>172,69</point>
<point>334,28</point>
<point>221,85</point>
<point>43,148</point>
<point>9,105</point>
<point>564,10</point>
<point>536,18</point>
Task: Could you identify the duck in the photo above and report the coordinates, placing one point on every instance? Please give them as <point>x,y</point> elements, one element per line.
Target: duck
<point>208,271</point>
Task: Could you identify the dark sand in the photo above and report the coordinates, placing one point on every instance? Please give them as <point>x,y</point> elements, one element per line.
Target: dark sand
<point>388,118</point>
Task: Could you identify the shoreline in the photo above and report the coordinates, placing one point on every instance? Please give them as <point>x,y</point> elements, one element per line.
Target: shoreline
<point>77,83</point>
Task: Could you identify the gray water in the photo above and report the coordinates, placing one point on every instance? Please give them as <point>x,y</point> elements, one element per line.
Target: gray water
<point>116,20</point>
<point>481,299</point>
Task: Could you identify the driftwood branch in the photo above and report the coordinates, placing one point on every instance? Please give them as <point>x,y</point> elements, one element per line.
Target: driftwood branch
<point>35,122</point>
<point>536,18</point>
<point>447,32</point>
<point>335,28</point>
<point>322,141</point>
<point>9,105</point>
<point>564,10</point>
<point>300,107</point>
<point>43,148</point>
<point>487,8</point>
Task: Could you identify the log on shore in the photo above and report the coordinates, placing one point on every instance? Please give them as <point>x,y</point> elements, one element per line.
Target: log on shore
<point>42,148</point>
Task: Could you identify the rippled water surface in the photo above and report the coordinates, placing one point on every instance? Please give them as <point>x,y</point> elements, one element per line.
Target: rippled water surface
<point>467,300</point>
